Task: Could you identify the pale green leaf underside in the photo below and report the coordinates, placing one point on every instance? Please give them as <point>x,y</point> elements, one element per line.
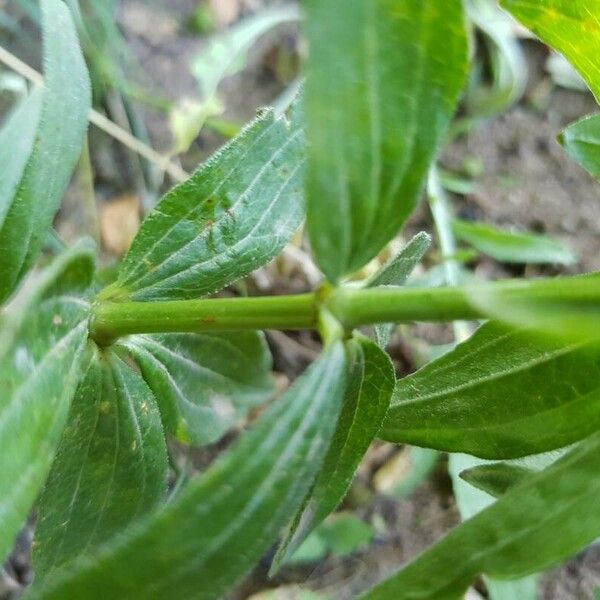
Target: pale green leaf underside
<point>220,525</point>
<point>501,394</point>
<point>512,246</point>
<point>42,350</point>
<point>70,273</point>
<point>508,63</point>
<point>396,272</point>
<point>224,54</point>
<point>581,141</point>
<point>232,216</point>
<point>382,84</point>
<point>367,397</point>
<point>471,501</point>
<point>539,522</point>
<point>570,26</point>
<point>16,142</point>
<point>58,141</point>
<point>204,383</point>
<point>110,467</point>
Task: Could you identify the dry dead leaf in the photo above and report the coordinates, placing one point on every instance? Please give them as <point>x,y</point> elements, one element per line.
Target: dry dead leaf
<point>393,472</point>
<point>119,222</point>
<point>225,11</point>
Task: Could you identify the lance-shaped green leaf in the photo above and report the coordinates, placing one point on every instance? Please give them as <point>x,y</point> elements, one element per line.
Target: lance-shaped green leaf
<point>512,246</point>
<point>204,383</point>
<point>366,402</point>
<point>581,140</point>
<point>382,84</point>
<point>515,536</point>
<point>220,525</point>
<point>570,26</point>
<point>58,141</point>
<point>396,272</point>
<point>496,478</point>
<point>110,467</point>
<point>42,351</point>
<point>232,216</point>
<point>16,143</point>
<point>501,394</point>
<point>398,269</point>
<point>471,501</point>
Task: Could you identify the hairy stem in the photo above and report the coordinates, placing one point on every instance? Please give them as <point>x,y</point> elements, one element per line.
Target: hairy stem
<point>352,307</point>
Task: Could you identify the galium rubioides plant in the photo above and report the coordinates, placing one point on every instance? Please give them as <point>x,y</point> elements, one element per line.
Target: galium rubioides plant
<point>94,379</point>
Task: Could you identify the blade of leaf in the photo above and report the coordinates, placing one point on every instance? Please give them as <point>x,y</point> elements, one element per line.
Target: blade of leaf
<point>570,26</point>
<point>224,55</point>
<point>366,401</point>
<point>42,352</point>
<point>63,123</point>
<point>515,536</point>
<point>110,468</point>
<point>396,272</point>
<point>471,501</point>
<point>508,62</point>
<point>398,68</point>
<point>210,535</point>
<point>495,478</point>
<point>204,383</point>
<point>70,273</point>
<point>232,216</point>
<point>398,269</point>
<point>501,394</point>
<point>510,246</point>
<point>581,141</point>
<point>16,143</point>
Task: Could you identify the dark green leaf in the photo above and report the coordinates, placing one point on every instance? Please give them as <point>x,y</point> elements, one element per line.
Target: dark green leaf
<point>501,394</point>
<point>581,140</point>
<point>396,272</point>
<point>58,142</point>
<point>382,85</point>
<point>221,524</point>
<point>110,467</point>
<point>570,26</point>
<point>204,383</point>
<point>512,246</point>
<point>365,404</point>
<point>42,351</point>
<point>545,519</point>
<point>496,478</point>
<point>232,216</point>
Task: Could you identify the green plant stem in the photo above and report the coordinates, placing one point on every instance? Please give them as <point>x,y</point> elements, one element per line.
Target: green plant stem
<point>352,307</point>
<point>111,320</point>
